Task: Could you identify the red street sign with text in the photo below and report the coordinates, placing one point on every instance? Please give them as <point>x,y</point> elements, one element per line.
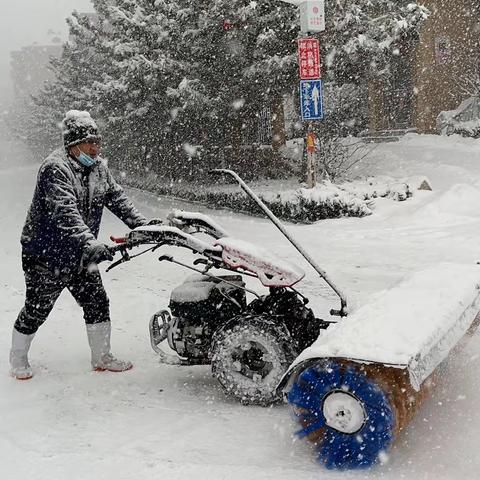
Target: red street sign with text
<point>309,58</point>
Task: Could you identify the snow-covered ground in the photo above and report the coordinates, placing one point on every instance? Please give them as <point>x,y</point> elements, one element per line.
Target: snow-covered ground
<point>170,422</point>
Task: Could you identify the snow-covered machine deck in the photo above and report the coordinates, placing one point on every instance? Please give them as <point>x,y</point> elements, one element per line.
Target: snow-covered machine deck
<point>271,271</point>
<point>413,325</point>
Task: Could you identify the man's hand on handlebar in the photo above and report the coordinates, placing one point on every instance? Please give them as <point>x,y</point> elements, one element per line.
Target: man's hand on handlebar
<point>96,252</point>
<point>117,248</point>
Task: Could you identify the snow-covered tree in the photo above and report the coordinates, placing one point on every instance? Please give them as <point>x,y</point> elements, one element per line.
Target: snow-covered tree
<point>244,57</point>
<point>164,76</point>
<point>74,75</point>
<point>362,36</point>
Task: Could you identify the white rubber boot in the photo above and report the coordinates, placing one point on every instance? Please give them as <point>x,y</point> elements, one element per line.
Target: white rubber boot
<point>19,366</point>
<point>99,340</point>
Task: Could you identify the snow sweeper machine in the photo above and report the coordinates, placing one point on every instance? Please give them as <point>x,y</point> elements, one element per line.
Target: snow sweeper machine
<point>353,381</point>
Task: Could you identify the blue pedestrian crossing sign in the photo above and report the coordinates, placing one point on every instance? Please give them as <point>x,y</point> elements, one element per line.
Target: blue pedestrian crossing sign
<point>311,102</point>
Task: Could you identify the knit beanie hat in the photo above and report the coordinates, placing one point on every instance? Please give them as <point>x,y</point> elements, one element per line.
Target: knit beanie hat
<point>78,127</point>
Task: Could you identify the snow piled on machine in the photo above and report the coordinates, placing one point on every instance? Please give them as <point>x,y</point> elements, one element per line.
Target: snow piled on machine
<point>413,325</point>
<point>271,270</point>
<point>195,288</point>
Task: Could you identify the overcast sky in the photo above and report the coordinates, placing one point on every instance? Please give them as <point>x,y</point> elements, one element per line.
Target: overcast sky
<point>23,22</point>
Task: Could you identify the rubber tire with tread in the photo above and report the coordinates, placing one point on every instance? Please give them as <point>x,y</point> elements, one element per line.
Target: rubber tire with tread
<point>272,337</point>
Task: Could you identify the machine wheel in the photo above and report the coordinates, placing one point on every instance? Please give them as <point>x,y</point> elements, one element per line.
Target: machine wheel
<point>345,414</point>
<point>250,356</point>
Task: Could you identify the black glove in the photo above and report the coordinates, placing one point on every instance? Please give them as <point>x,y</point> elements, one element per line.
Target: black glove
<point>155,221</point>
<point>96,252</point>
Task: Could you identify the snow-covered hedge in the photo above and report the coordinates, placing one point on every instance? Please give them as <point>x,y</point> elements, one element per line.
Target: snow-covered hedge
<point>311,204</point>
<point>383,187</point>
<point>302,205</point>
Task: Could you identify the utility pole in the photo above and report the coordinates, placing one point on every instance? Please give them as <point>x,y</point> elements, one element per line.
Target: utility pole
<point>312,19</point>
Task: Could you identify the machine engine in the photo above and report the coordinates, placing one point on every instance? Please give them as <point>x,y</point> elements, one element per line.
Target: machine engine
<point>199,306</point>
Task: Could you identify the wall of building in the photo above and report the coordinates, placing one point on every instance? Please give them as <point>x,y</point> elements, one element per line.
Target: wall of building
<point>445,55</point>
<point>443,58</point>
<point>29,68</point>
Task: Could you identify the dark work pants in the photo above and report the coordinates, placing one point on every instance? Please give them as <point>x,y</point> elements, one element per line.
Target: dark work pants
<point>44,287</point>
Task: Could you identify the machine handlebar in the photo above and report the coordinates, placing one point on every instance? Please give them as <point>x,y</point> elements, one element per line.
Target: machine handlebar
<point>117,248</point>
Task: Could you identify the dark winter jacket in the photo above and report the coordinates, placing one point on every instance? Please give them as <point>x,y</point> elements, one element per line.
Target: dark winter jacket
<point>67,208</point>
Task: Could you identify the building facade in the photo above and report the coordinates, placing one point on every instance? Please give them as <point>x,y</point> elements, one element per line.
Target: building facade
<point>29,68</point>
<point>432,76</point>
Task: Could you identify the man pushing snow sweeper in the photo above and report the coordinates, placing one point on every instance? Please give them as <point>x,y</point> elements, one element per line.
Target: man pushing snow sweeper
<point>354,384</point>
<point>59,242</point>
